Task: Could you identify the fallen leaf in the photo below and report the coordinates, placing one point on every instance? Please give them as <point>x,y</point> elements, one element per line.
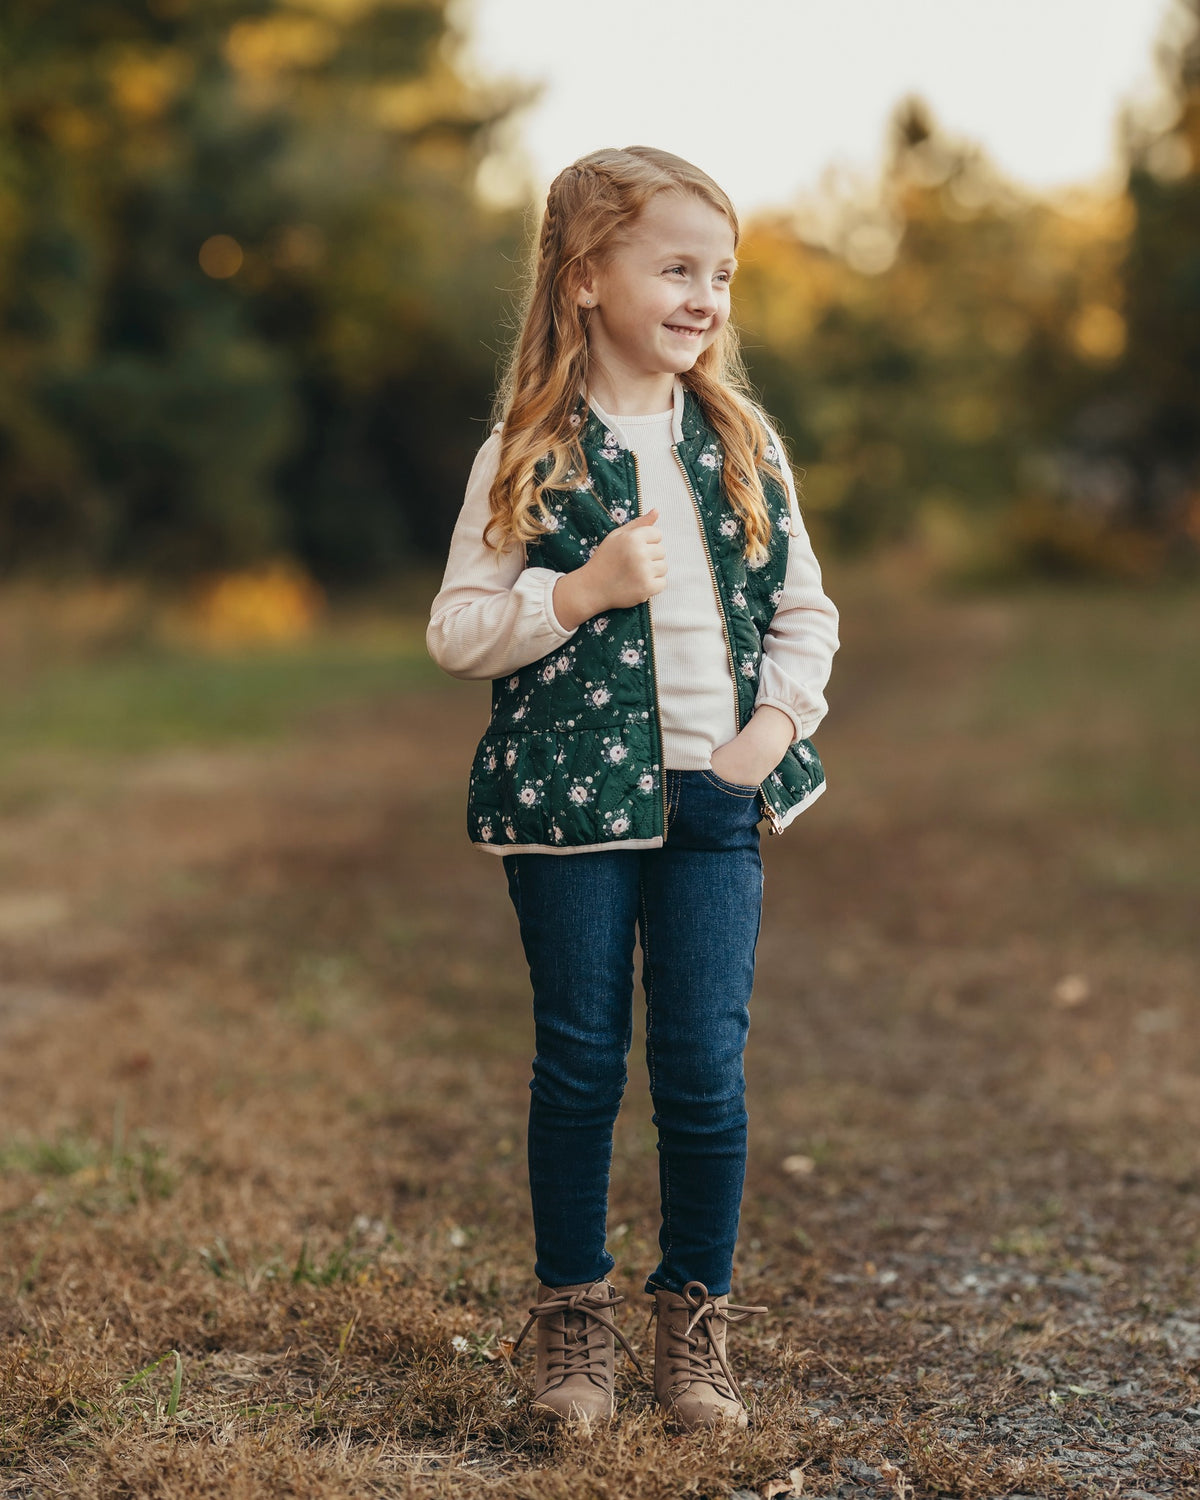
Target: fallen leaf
<point>1071,990</point>
<point>799,1166</point>
<point>777,1487</point>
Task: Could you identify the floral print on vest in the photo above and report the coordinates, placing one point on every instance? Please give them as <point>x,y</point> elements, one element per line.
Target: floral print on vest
<point>572,757</point>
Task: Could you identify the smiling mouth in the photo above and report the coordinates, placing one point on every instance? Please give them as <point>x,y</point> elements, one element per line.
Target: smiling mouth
<point>693,333</point>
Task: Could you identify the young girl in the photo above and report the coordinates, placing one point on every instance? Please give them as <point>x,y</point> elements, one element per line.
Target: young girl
<point>631,570</point>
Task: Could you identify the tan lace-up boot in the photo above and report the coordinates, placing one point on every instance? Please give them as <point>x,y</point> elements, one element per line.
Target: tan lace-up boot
<point>693,1383</point>
<point>575,1350</point>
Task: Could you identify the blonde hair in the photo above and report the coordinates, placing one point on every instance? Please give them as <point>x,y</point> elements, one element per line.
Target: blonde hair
<point>588,207</point>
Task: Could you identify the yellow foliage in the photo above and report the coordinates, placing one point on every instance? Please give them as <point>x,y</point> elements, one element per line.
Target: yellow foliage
<point>784,284</point>
<point>275,603</point>
<point>73,129</point>
<point>971,416</point>
<point>1085,217</point>
<point>276,44</point>
<point>143,84</point>
<point>1098,333</point>
<point>342,10</point>
<point>436,94</point>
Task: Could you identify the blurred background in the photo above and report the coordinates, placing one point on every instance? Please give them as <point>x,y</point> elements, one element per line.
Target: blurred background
<point>258,258</point>
<point>264,1022</point>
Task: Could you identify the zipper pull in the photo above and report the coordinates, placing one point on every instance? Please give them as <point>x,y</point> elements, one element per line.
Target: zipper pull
<point>774,821</point>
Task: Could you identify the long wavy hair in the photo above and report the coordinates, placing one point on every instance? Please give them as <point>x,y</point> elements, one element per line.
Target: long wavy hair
<point>590,205</point>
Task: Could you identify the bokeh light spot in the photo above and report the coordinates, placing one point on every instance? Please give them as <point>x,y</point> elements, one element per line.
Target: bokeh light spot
<point>221,256</point>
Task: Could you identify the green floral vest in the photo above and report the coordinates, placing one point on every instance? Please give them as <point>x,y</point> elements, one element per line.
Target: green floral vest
<point>572,757</point>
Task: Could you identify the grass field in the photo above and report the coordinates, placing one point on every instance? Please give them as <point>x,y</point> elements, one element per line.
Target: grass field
<point>264,1055</point>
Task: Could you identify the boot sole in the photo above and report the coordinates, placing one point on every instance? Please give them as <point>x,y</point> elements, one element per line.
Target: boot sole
<point>673,1420</point>
<point>550,1416</point>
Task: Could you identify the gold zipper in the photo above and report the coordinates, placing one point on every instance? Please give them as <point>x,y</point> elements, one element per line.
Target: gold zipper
<point>662,773</point>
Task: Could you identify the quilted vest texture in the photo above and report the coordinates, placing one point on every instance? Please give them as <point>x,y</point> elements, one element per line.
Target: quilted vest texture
<point>572,757</point>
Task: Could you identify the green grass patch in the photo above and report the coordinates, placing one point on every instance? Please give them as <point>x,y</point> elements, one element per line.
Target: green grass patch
<point>155,697</point>
<point>76,1170</point>
<point>1106,689</point>
<point>164,1411</point>
<point>339,1265</point>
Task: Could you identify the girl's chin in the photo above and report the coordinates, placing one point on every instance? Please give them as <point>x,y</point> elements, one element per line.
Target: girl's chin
<point>680,359</point>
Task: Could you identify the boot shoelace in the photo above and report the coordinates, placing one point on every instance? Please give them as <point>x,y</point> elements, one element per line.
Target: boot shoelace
<point>700,1358</point>
<point>573,1352</point>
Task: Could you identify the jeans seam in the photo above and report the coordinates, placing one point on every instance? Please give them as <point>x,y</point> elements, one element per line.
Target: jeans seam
<point>730,788</point>
<point>648,985</point>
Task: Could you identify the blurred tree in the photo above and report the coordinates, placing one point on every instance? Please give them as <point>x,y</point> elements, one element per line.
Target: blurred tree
<point>248,303</point>
<point>242,278</point>
<point>933,326</point>
<point>1146,422</point>
<point>942,352</point>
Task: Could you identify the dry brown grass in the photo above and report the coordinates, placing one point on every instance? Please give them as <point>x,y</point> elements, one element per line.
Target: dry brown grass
<point>264,1047</point>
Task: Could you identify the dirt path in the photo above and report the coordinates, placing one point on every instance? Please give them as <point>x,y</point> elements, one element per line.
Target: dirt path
<point>264,1045</point>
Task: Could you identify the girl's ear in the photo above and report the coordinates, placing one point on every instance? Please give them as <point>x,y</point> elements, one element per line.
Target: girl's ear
<point>585,292</point>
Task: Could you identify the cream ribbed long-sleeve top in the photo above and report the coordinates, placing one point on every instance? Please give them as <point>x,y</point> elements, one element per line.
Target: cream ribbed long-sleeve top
<point>696,694</point>
<point>493,615</point>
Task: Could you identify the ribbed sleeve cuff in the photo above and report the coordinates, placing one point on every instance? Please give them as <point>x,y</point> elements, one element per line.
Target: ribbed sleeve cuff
<point>802,727</point>
<point>543,580</point>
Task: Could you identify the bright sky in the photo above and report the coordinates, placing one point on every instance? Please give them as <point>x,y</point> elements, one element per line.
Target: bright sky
<point>766,95</point>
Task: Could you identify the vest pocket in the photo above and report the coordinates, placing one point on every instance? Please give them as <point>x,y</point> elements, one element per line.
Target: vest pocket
<point>797,777</point>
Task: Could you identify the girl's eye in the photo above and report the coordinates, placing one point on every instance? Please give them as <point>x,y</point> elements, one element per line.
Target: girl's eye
<point>724,277</point>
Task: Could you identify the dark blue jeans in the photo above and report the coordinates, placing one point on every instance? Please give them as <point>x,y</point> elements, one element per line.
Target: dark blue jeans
<point>696,905</point>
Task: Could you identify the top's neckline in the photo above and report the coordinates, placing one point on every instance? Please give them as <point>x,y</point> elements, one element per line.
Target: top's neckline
<point>644,419</point>
<point>627,419</point>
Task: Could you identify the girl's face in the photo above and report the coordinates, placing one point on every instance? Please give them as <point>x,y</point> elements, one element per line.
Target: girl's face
<point>659,300</point>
